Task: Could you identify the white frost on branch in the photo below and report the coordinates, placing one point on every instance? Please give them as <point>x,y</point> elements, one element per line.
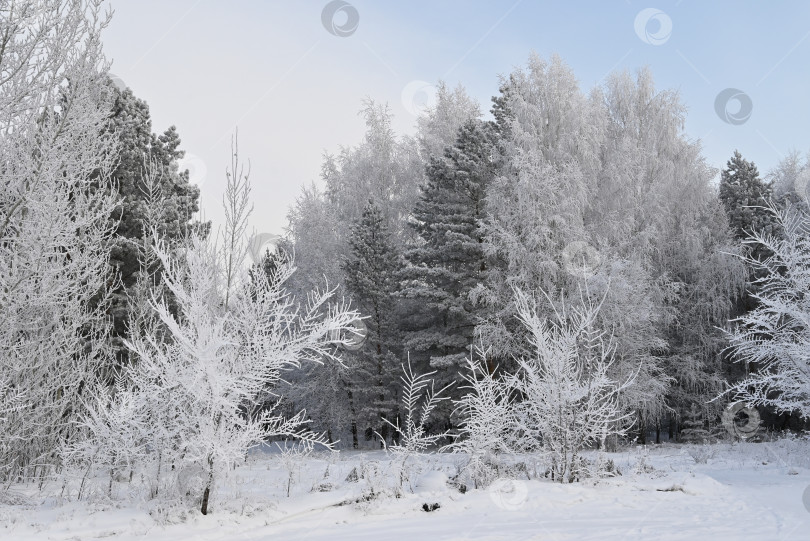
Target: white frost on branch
<point>56,201</point>
<point>203,375</point>
<point>487,421</point>
<point>419,399</point>
<point>774,338</point>
<point>569,400</point>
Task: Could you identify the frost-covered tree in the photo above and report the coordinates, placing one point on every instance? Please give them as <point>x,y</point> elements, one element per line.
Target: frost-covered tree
<point>55,202</point>
<point>745,197</point>
<point>371,283</point>
<point>438,128</point>
<point>556,222</point>
<point>657,206</point>
<point>790,179</point>
<point>773,339</point>
<point>225,349</point>
<point>487,424</point>
<point>569,401</point>
<point>534,206</point>
<point>610,178</point>
<point>448,261</point>
<point>147,167</point>
<point>384,167</point>
<point>314,237</point>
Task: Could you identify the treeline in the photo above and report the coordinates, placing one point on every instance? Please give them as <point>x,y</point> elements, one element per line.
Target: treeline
<point>567,196</point>
<point>561,275</point>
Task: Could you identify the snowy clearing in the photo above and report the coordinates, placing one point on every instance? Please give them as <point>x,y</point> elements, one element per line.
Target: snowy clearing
<point>744,491</point>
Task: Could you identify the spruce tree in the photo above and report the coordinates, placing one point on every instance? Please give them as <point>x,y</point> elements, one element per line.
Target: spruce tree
<point>745,197</point>
<point>370,272</point>
<point>448,260</point>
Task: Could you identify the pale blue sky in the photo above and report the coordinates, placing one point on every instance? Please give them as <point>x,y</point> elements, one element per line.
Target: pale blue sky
<point>294,89</point>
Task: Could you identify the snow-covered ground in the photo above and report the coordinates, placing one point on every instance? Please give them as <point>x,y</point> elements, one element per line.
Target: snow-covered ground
<point>756,491</point>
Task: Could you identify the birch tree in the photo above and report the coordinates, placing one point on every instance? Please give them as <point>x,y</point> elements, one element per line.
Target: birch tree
<point>225,349</point>
<point>55,202</point>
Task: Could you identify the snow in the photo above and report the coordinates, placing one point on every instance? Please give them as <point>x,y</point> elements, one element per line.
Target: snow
<point>744,491</point>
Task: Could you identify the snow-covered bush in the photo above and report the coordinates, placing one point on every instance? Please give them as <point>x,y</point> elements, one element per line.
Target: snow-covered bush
<point>419,399</point>
<point>569,402</point>
<point>487,422</point>
<point>117,421</point>
<point>292,459</point>
<point>642,463</point>
<point>701,453</point>
<point>774,338</point>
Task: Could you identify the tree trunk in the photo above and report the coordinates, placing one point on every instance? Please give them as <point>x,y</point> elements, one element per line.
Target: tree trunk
<point>207,491</point>
<point>354,420</point>
<point>642,429</point>
<point>206,494</point>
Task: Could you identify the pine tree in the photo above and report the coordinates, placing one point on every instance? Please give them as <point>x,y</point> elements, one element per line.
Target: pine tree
<point>147,168</point>
<point>371,282</point>
<point>448,262</point>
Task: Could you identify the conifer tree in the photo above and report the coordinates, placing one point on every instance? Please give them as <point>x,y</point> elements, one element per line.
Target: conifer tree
<point>448,261</point>
<point>746,200</point>
<point>745,197</point>
<point>370,274</point>
<point>147,168</point>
